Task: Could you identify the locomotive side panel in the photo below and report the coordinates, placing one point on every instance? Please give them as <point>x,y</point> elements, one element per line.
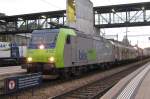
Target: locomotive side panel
<point>85,51</point>
<point>79,52</point>
<point>70,52</point>
<point>67,55</point>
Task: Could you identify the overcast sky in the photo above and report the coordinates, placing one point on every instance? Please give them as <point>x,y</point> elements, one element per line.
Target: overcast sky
<point>14,7</point>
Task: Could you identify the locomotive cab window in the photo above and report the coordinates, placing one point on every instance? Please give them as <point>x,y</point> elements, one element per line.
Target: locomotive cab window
<point>68,40</point>
<point>44,37</point>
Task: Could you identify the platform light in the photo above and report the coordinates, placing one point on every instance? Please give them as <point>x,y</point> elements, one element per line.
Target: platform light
<point>43,16</point>
<point>20,19</point>
<point>143,8</point>
<point>65,14</point>
<point>29,59</point>
<point>51,59</point>
<point>96,12</point>
<point>113,10</point>
<point>41,46</point>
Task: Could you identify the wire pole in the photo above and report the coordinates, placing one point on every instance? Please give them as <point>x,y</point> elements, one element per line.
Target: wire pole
<point>126,34</point>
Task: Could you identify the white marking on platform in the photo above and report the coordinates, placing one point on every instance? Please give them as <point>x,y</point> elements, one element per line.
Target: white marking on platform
<point>130,88</point>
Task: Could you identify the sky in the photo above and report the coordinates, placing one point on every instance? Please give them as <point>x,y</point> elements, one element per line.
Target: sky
<point>16,7</point>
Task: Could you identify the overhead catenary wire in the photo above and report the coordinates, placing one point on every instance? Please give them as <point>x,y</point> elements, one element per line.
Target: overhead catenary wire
<point>55,6</point>
<point>48,3</point>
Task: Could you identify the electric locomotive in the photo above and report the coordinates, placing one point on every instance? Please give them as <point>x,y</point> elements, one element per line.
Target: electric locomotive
<point>46,50</point>
<point>64,50</point>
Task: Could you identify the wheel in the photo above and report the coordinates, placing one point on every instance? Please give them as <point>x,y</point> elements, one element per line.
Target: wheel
<point>29,70</point>
<point>64,74</point>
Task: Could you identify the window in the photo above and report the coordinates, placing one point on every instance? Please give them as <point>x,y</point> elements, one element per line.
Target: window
<point>68,40</point>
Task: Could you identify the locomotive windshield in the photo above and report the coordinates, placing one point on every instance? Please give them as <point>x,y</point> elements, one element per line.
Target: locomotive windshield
<point>45,37</point>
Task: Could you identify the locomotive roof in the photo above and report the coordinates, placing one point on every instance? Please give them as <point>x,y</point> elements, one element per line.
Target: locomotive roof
<point>121,44</point>
<point>46,31</point>
<point>96,37</point>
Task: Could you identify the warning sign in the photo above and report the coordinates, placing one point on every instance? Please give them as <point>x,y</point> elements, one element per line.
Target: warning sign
<point>16,83</point>
<point>12,85</point>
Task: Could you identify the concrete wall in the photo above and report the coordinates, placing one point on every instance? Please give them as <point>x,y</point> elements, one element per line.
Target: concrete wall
<point>84,17</point>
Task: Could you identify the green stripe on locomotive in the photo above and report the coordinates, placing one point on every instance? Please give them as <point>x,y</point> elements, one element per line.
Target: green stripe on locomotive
<point>60,45</point>
<point>91,55</point>
<point>43,56</point>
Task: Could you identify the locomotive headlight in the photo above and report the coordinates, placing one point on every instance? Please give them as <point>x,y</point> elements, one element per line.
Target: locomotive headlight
<point>51,59</point>
<point>29,59</point>
<point>41,47</point>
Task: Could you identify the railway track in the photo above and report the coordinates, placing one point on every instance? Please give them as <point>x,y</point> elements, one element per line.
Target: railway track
<point>97,89</point>
<point>61,88</point>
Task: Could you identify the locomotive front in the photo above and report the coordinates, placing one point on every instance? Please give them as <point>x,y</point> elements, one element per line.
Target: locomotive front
<point>41,50</point>
<point>45,52</point>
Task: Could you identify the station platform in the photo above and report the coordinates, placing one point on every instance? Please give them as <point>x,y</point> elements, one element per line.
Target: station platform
<point>134,86</point>
<point>6,71</point>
